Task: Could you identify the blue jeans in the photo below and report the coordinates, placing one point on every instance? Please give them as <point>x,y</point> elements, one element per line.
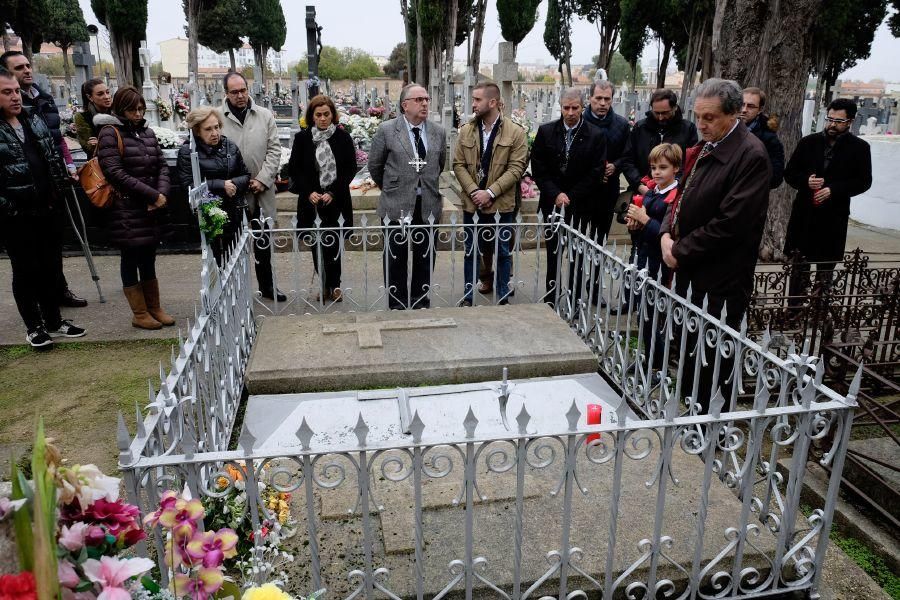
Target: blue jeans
<point>487,237</point>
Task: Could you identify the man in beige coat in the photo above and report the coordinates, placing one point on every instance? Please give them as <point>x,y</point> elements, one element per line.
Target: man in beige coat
<point>253,129</point>
<point>489,160</point>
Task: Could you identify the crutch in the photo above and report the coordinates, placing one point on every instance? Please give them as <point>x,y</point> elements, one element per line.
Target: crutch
<point>81,234</point>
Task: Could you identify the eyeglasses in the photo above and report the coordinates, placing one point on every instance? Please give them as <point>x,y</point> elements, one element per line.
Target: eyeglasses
<point>419,99</point>
<point>837,121</point>
<point>664,113</point>
<point>241,92</point>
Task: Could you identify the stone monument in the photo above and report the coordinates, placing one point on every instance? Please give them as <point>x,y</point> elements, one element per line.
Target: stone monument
<point>148,90</point>
<point>505,72</point>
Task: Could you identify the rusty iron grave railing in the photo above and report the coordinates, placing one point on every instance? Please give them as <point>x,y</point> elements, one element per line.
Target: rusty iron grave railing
<point>682,371</point>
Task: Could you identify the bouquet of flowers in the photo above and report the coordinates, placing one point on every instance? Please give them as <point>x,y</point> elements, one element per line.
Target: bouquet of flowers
<point>362,157</point>
<point>520,118</point>
<point>377,112</point>
<point>167,138</point>
<point>212,217</point>
<point>183,105</point>
<point>528,187</point>
<point>165,111</point>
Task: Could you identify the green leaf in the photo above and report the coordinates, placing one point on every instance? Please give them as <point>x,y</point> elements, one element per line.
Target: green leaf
<point>150,585</point>
<point>22,519</point>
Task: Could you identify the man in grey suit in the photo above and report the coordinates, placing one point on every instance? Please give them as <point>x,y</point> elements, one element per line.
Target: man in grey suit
<point>406,160</point>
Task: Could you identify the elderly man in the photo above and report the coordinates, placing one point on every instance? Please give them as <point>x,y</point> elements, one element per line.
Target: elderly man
<point>764,127</point>
<point>664,123</point>
<point>488,162</point>
<point>615,129</point>
<point>41,103</point>
<point>253,129</point>
<point>711,234</point>
<point>827,169</point>
<point>568,160</point>
<point>406,160</point>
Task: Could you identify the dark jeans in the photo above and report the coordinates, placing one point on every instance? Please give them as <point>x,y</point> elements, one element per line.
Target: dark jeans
<point>396,255</point>
<point>137,264</point>
<point>261,252</point>
<point>33,247</point>
<point>799,283</point>
<point>707,383</point>
<point>487,237</point>
<point>581,222</point>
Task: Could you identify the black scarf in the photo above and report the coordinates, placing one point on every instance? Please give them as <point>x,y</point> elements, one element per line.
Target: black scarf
<point>486,153</point>
<point>240,113</point>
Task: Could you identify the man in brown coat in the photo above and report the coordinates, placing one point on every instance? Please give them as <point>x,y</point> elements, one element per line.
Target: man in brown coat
<point>711,235</point>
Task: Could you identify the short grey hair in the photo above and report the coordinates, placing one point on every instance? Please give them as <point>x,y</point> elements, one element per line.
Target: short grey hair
<point>405,91</point>
<point>603,84</point>
<point>572,92</point>
<point>729,93</point>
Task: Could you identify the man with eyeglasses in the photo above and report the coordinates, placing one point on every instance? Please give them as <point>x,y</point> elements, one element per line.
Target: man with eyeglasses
<point>406,160</point>
<point>664,123</point>
<point>765,128</point>
<point>254,131</point>
<point>827,169</point>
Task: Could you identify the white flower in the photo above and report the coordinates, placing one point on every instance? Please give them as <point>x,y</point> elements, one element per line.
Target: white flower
<point>218,212</point>
<point>167,138</point>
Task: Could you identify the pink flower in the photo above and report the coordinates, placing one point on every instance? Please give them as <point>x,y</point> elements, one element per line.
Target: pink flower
<point>67,575</point>
<point>182,517</point>
<point>112,573</point>
<point>200,587</point>
<point>168,500</point>
<point>95,536</point>
<point>7,506</point>
<point>72,538</point>
<point>213,548</point>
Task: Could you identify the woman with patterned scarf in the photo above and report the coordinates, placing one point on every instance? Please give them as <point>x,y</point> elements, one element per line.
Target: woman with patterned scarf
<point>322,165</point>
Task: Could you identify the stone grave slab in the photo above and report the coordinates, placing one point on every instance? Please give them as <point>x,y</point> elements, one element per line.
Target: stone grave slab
<point>342,351</point>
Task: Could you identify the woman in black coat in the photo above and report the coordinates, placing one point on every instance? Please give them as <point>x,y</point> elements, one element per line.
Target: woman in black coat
<point>223,168</point>
<point>322,165</point>
<point>133,163</point>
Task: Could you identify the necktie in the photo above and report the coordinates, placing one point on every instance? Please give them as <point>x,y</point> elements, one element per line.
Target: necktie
<point>420,146</point>
<point>704,152</point>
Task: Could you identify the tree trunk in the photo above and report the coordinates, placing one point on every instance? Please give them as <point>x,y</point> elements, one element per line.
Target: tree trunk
<point>26,41</point>
<point>410,66</point>
<point>422,58</point>
<point>770,49</point>
<point>663,66</point>
<point>449,47</point>
<point>121,50</point>
<point>607,45</point>
<point>193,22</point>
<point>231,58</point>
<point>475,56</point>
<point>67,68</point>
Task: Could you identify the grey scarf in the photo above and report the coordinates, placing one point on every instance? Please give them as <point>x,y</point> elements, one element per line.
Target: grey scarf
<point>324,155</point>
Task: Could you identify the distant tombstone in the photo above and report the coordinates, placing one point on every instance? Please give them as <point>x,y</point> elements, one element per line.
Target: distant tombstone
<point>506,71</point>
<point>373,97</point>
<point>83,61</point>
<point>871,126</point>
<point>148,90</point>
<point>435,83</point>
<point>295,99</point>
<point>468,84</point>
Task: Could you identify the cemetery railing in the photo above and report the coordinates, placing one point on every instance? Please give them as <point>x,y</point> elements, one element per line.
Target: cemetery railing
<point>701,389</point>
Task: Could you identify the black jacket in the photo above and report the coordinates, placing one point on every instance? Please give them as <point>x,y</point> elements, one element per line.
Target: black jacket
<point>305,178</point>
<point>218,164</point>
<point>17,184</point>
<point>616,130</point>
<point>583,176</point>
<point>765,128</point>
<point>648,134</point>
<point>139,176</point>
<point>44,106</point>
<point>820,232</point>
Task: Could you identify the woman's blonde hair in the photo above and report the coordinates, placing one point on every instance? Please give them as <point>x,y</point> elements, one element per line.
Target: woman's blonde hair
<point>671,153</point>
<point>200,114</point>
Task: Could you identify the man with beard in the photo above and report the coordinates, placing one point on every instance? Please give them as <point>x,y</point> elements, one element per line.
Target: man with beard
<point>826,169</point>
<point>41,104</point>
<point>488,162</point>
<point>664,123</point>
<point>614,128</point>
<point>764,128</point>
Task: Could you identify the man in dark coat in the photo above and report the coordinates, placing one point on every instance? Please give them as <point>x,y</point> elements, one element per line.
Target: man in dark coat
<point>41,104</point>
<point>664,123</point>
<point>764,127</point>
<point>32,180</point>
<point>614,128</point>
<point>827,169</point>
<point>711,235</point>
<point>568,160</point>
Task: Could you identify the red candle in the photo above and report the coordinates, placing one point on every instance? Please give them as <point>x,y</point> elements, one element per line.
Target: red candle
<point>594,417</point>
<point>638,200</point>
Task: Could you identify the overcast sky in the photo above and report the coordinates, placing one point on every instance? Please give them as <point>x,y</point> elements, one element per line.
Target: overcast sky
<point>376,27</point>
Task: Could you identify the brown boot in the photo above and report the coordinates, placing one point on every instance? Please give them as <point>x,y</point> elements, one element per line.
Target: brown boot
<point>142,318</point>
<point>151,295</point>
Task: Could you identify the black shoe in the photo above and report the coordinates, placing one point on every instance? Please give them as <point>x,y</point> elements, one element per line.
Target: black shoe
<point>70,300</point>
<point>39,338</point>
<point>465,303</point>
<point>268,294</point>
<point>67,329</point>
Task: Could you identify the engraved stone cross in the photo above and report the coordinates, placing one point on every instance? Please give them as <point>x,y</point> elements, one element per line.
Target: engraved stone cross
<point>369,332</point>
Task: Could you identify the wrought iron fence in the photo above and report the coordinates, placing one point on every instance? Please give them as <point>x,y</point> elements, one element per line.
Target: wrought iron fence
<point>683,369</point>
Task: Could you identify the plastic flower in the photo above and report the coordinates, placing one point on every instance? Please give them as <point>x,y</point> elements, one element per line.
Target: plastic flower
<point>67,575</point>
<point>72,538</point>
<point>118,518</point>
<point>87,483</point>
<point>182,516</point>
<point>199,586</point>
<point>7,506</point>
<point>213,548</point>
<point>112,574</point>
<point>21,586</point>
<point>269,591</point>
<point>168,500</point>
